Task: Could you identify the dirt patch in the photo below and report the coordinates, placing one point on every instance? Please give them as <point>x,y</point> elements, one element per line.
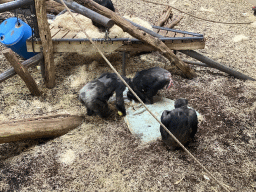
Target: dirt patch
<point>102,155</point>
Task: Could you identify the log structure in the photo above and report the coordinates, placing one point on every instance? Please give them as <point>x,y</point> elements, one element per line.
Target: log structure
<point>33,61</point>
<point>141,35</point>
<point>22,71</point>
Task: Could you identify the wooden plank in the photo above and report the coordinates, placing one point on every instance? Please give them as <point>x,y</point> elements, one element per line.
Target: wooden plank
<point>60,34</point>
<point>180,35</point>
<point>38,127</point>
<point>170,34</point>
<point>70,35</point>
<point>45,36</point>
<point>22,71</point>
<point>162,32</point>
<point>51,26</point>
<point>74,46</point>
<point>54,31</point>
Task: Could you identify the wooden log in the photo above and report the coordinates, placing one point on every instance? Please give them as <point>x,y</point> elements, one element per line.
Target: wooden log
<point>141,35</point>
<point>38,127</point>
<point>22,72</point>
<point>45,36</point>
<point>165,16</point>
<point>33,61</point>
<point>175,21</point>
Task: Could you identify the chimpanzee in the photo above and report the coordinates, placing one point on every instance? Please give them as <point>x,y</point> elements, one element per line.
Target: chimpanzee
<point>106,3</point>
<point>182,122</point>
<point>146,83</point>
<point>95,94</point>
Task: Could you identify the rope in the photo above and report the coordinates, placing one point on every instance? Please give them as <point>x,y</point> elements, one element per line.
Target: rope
<point>110,65</point>
<point>165,4</point>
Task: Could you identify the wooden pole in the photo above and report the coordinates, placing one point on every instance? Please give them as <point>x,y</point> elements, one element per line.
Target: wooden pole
<point>174,22</point>
<point>45,36</point>
<point>38,127</point>
<point>141,35</point>
<point>22,72</point>
<point>28,63</point>
<point>164,17</point>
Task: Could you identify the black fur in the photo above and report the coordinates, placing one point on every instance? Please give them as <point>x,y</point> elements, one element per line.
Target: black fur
<point>182,122</point>
<point>146,83</point>
<point>95,94</point>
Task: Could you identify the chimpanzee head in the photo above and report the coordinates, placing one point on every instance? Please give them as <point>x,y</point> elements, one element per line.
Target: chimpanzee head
<point>180,103</point>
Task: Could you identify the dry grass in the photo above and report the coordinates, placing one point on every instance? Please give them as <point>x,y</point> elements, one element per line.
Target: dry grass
<point>102,155</point>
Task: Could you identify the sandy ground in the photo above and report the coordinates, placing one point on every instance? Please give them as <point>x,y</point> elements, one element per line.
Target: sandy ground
<point>102,155</point>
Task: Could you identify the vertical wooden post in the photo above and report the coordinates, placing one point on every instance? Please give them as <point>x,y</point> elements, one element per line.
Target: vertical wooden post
<point>22,71</point>
<point>45,36</point>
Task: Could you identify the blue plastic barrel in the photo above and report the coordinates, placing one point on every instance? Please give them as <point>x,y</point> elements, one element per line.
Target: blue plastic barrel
<point>13,34</point>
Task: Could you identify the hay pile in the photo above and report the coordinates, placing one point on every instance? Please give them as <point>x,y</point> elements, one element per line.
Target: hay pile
<point>65,21</point>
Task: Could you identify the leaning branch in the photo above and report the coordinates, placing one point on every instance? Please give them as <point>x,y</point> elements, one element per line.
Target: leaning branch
<point>33,61</point>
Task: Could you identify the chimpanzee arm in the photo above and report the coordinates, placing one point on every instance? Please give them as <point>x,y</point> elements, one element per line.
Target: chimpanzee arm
<point>152,91</point>
<point>120,99</point>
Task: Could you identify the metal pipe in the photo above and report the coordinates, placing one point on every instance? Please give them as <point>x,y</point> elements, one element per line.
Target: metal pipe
<point>96,17</point>
<point>196,63</point>
<point>178,31</point>
<point>145,29</point>
<point>14,5</point>
<point>216,65</point>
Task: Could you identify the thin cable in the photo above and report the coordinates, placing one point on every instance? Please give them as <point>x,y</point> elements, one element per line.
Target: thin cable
<point>230,23</point>
<point>110,65</point>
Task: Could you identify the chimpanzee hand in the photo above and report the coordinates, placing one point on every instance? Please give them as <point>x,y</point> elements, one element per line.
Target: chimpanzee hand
<point>121,108</point>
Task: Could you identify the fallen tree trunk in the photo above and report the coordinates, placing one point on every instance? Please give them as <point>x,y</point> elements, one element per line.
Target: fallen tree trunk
<point>38,127</point>
<point>139,34</point>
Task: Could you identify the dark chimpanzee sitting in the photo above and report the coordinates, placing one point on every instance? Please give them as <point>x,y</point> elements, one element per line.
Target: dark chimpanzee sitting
<point>106,3</point>
<point>146,83</point>
<point>181,122</point>
<point>95,94</point>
